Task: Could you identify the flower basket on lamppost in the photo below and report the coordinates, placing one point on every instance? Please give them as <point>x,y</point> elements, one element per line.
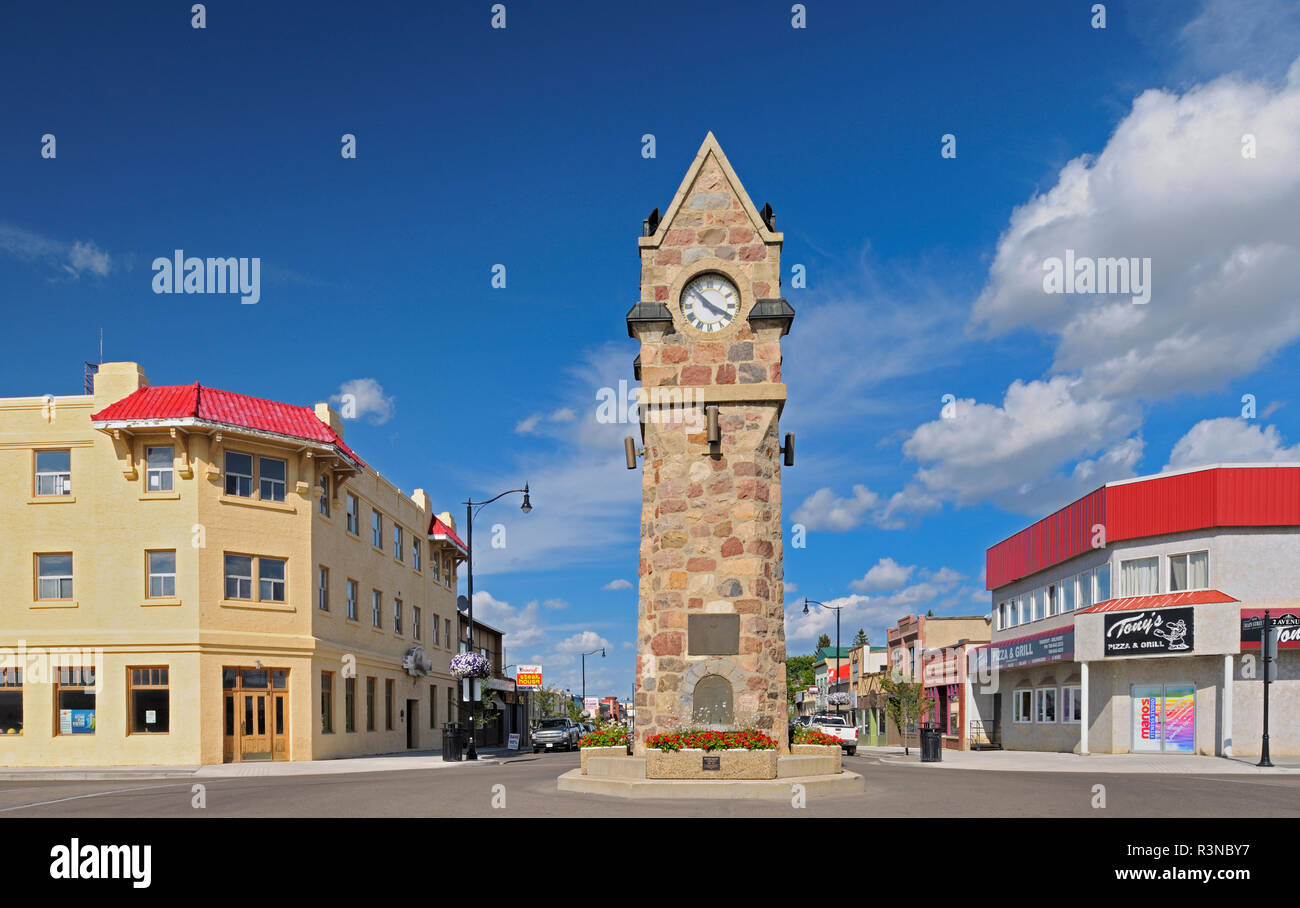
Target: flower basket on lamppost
<point>470,665</point>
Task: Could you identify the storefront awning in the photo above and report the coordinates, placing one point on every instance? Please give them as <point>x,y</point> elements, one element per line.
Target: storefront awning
<point>1163,600</point>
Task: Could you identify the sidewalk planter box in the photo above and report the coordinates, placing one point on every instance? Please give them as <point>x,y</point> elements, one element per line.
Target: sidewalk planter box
<point>831,756</point>
<point>586,753</point>
<point>689,764</point>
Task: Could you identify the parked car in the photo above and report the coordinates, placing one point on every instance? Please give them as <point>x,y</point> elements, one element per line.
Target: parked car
<point>836,727</point>
<point>556,733</point>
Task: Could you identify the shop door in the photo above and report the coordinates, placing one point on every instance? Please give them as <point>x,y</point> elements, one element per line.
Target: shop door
<point>1164,718</point>
<point>411,724</point>
<point>280,725</point>
<point>255,731</point>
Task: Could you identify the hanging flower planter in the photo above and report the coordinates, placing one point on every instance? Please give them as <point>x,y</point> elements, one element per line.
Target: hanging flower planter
<point>470,665</point>
<point>839,698</point>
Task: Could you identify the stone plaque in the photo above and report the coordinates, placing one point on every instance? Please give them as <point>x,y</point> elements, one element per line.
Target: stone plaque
<point>713,764</point>
<point>713,635</point>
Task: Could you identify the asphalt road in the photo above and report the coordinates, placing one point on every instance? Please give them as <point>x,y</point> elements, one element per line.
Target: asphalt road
<point>528,790</point>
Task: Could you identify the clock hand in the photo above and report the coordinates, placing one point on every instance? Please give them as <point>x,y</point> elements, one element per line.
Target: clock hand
<point>713,307</point>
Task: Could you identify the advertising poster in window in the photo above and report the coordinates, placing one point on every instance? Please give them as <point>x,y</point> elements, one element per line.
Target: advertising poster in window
<point>1148,702</point>
<point>1180,718</point>
<point>76,721</point>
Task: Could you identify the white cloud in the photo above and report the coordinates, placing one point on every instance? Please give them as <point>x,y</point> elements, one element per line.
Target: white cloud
<point>619,584</point>
<point>1258,37</point>
<point>363,398</point>
<point>885,574</point>
<point>938,590</point>
<point>1230,440</point>
<point>531,424</point>
<point>584,642</point>
<point>87,257</point>
<point>823,510</point>
<point>73,259</point>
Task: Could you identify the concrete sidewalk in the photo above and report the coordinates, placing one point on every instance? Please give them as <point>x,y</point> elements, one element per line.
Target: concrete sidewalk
<point>405,760</point>
<point>1035,761</point>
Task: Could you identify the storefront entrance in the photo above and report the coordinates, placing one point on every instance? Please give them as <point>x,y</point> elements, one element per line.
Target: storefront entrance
<point>1164,718</point>
<point>255,714</point>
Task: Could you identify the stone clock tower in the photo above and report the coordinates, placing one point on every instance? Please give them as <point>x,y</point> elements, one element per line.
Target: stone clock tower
<point>710,624</point>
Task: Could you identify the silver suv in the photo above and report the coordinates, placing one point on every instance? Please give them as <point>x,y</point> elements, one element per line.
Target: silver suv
<point>556,733</point>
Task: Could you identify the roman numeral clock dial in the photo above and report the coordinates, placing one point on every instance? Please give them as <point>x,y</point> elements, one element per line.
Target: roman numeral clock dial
<point>710,303</point>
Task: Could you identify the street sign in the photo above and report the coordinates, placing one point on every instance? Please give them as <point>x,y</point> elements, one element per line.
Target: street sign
<point>529,677</point>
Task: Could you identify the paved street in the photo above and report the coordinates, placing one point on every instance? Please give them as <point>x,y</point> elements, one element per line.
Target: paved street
<point>893,789</point>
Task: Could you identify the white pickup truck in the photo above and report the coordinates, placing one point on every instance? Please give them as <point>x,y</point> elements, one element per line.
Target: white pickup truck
<point>836,727</point>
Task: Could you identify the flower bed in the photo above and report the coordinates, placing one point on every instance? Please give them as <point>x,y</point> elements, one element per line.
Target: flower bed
<point>611,736</point>
<point>692,739</point>
<point>805,735</point>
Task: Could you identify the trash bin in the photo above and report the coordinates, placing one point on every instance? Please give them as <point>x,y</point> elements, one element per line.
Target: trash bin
<point>931,744</point>
<point>453,741</point>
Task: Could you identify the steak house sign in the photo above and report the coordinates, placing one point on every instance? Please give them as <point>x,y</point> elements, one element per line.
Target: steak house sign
<point>1166,630</point>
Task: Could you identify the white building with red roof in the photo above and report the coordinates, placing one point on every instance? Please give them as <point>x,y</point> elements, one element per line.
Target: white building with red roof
<point>1129,620</point>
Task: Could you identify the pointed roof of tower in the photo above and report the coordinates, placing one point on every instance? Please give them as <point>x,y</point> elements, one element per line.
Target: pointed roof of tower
<point>710,148</point>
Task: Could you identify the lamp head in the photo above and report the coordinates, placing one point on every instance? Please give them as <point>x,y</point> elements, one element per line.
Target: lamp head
<point>805,605</point>
<point>527,505</point>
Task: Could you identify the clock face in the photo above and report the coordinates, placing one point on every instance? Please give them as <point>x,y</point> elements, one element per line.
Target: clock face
<point>710,302</point>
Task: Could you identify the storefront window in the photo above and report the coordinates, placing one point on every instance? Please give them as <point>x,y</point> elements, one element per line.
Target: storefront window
<point>1071,703</point>
<point>1024,700</point>
<point>1103,582</point>
<point>11,701</point>
<point>75,699</point>
<point>1045,704</point>
<point>150,701</point>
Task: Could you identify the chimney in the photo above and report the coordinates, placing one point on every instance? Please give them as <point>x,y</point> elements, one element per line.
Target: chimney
<point>328,415</point>
<point>115,381</point>
<point>422,500</point>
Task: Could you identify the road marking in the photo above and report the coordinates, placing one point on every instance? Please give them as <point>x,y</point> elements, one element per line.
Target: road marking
<point>94,794</point>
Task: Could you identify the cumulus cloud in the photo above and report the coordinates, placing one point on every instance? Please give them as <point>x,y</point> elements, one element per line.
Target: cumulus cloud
<point>363,398</point>
<point>885,574</point>
<point>584,642</point>
<point>1230,440</point>
<point>824,510</point>
<point>522,626</point>
<point>619,584</point>
<point>73,259</point>
<point>939,590</point>
<point>530,425</point>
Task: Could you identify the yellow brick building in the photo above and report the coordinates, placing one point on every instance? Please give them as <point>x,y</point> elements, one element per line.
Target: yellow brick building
<point>195,576</point>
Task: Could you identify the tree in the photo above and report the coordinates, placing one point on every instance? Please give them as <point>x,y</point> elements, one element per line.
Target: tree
<point>930,613</point>
<point>905,701</point>
<point>824,641</point>
<point>798,676</point>
<point>860,639</point>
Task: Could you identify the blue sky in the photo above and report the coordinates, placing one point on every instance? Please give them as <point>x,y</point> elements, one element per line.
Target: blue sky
<point>522,146</point>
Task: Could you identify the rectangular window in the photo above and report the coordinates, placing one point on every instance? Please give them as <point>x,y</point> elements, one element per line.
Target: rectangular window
<point>388,704</point>
<point>1139,577</point>
<point>11,701</point>
<point>352,600</point>
<point>54,472</point>
<point>1071,704</point>
<point>433,626</point>
<point>324,505</point>
<point>370,704</point>
<point>433,706</point>
<point>54,576</point>
<point>349,705</point>
<point>270,579</point>
<point>1085,590</point>
<point>377,529</point>
<point>1036,609</point>
<point>1103,582</point>
<point>239,576</point>
<point>415,554</point>
<point>1045,704</point>
<point>448,571</point>
<point>239,474</point>
<point>1053,600</point>
<point>158,474</point>
<point>323,588</point>
<point>162,574</point>
<point>1189,572</point>
<point>446,626</point>
<point>1067,594</point>
<point>74,698</point>
<point>271,475</point>
<point>1024,700</point>
<point>327,703</point>
<point>399,544</point>
<point>397,616</point>
<point>150,699</point>
<point>415,622</point>
<point>352,514</point>
<point>376,608</point>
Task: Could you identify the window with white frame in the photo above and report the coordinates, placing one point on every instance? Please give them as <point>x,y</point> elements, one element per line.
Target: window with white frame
<point>1189,572</point>
<point>1103,582</point>
<point>323,588</point>
<point>54,576</point>
<point>1022,608</point>
<point>352,600</point>
<point>415,622</point>
<point>1067,594</point>
<point>1036,610</point>
<point>376,608</point>
<point>399,544</point>
<point>397,616</point>
<point>1071,704</point>
<point>377,529</point>
<point>53,473</point>
<point>1085,589</point>
<point>324,505</point>
<point>239,576</point>
<point>1139,577</point>
<point>272,475</point>
<point>1024,705</point>
<point>159,475</point>
<point>433,626</point>
<point>270,579</point>
<point>1045,704</point>
<point>415,553</point>
<point>239,474</point>
<point>352,514</point>
<point>162,574</point>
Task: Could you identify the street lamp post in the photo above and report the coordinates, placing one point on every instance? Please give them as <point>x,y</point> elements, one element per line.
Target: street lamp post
<point>470,506</point>
<point>584,673</point>
<point>836,609</point>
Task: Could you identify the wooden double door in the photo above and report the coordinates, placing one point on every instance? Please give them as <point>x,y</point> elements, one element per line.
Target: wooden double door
<point>256,715</point>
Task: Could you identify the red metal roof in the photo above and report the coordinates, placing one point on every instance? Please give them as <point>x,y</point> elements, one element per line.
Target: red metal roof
<point>224,407</point>
<point>438,529</point>
<point>1217,496</point>
<point>1161,600</point>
